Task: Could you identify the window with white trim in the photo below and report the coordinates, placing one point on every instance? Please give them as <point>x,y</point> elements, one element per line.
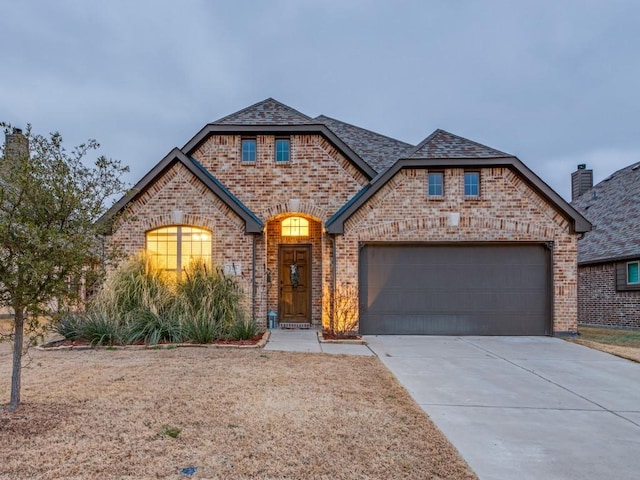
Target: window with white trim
<point>172,248</point>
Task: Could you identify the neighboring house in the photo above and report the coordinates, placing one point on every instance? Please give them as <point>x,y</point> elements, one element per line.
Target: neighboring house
<point>609,255</point>
<point>446,237</point>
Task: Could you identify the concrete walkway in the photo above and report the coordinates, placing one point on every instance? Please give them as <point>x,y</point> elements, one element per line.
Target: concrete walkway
<point>306,340</point>
<point>524,407</point>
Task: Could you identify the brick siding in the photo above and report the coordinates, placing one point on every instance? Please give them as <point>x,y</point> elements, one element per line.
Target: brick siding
<point>315,184</point>
<point>507,210</point>
<point>599,303</point>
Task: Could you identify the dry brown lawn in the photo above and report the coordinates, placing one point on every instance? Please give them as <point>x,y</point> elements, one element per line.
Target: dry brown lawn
<point>241,414</point>
<point>623,343</point>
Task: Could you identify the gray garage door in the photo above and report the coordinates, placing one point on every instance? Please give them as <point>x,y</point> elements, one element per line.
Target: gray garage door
<point>479,289</point>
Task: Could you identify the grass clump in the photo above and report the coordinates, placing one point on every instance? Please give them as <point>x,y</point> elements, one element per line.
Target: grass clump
<point>172,432</point>
<point>243,330</point>
<point>140,303</point>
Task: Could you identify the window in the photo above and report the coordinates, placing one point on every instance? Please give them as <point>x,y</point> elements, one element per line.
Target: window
<point>436,186</point>
<point>295,227</point>
<point>471,184</point>
<point>248,149</point>
<point>282,150</point>
<point>632,273</point>
<point>172,248</point>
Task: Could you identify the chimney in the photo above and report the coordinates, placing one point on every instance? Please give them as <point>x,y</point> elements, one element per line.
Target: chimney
<point>581,181</point>
<point>16,145</point>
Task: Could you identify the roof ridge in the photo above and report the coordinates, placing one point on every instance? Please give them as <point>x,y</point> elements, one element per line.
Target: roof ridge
<point>455,145</point>
<point>268,99</point>
<point>425,141</point>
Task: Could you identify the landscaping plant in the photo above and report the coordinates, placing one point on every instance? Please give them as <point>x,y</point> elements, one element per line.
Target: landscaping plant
<point>140,303</point>
<point>342,305</point>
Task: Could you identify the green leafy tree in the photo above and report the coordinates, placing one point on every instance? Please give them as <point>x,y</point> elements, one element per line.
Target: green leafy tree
<point>50,200</point>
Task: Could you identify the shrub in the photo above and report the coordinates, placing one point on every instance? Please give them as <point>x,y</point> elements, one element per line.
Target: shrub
<point>68,325</point>
<point>145,325</point>
<point>208,301</point>
<point>342,305</point>
<point>243,330</point>
<point>138,284</point>
<point>141,303</point>
<point>99,329</point>
<point>200,328</point>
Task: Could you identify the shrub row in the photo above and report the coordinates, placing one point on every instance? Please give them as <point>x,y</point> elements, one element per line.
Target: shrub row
<point>140,303</point>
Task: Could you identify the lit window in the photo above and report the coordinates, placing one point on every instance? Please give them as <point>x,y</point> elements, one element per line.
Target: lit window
<point>295,227</point>
<point>172,248</point>
<point>436,184</point>
<point>249,150</point>
<point>632,273</point>
<point>282,150</point>
<point>471,184</point>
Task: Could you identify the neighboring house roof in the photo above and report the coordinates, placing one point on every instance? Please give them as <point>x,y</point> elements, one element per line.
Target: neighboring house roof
<point>479,156</point>
<point>377,150</point>
<point>613,208</point>
<point>252,223</point>
<point>266,112</point>
<point>441,144</point>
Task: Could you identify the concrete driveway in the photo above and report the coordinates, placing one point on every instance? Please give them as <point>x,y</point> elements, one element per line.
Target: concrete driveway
<point>524,407</point>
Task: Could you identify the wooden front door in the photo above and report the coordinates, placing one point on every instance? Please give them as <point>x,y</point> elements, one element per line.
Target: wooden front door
<point>295,283</point>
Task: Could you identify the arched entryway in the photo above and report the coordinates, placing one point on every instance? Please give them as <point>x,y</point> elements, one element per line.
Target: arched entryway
<point>294,262</point>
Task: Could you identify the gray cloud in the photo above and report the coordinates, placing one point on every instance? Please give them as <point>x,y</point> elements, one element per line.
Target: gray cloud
<point>551,82</point>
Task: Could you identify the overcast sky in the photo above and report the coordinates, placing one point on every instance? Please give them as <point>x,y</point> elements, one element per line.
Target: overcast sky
<point>554,82</point>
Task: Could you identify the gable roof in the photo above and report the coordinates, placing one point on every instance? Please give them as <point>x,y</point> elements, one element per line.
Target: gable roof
<point>266,112</point>
<point>377,150</point>
<point>442,144</point>
<point>579,224</point>
<point>252,223</point>
<point>613,208</point>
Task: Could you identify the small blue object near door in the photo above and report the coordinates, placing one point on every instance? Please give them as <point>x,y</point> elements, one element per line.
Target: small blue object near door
<point>273,319</point>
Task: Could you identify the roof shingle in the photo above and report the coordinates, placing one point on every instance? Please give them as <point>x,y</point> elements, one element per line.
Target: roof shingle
<point>441,144</point>
<point>266,112</point>
<point>612,207</point>
<point>379,151</point>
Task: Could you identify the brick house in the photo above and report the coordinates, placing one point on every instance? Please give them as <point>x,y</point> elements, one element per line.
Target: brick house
<point>446,237</point>
<point>609,255</point>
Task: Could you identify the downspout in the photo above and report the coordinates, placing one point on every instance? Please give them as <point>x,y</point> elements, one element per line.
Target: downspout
<point>253,280</point>
<point>334,265</point>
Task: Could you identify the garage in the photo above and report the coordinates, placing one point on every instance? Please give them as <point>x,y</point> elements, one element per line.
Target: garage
<point>455,289</point>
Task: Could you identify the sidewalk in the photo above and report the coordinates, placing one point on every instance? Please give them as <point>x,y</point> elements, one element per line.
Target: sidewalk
<point>306,340</point>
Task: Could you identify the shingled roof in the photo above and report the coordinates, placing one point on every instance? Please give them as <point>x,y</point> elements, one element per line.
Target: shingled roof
<point>441,144</point>
<point>266,112</point>
<point>377,150</point>
<point>612,207</point>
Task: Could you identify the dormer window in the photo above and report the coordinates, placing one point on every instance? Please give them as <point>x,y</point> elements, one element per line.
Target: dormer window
<point>295,227</point>
<point>283,150</point>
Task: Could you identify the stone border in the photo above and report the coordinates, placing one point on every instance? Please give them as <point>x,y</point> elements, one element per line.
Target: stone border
<point>164,346</point>
<point>348,341</point>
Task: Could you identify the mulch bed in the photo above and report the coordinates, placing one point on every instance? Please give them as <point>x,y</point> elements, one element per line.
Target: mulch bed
<point>79,343</point>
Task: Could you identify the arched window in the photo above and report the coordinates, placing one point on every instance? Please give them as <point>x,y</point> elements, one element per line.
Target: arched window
<point>172,248</point>
<point>295,227</point>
